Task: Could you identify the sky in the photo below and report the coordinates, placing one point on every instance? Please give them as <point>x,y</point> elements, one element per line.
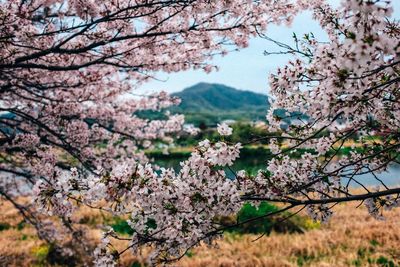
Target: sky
<point>247,69</point>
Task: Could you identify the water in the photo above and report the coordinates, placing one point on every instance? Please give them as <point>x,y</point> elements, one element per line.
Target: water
<point>253,163</point>
<point>390,178</point>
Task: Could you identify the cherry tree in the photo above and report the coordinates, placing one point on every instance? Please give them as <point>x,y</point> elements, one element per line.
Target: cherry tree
<point>346,91</point>
<point>70,131</point>
<point>348,88</point>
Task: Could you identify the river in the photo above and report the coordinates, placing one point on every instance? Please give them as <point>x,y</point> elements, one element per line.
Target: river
<point>252,164</point>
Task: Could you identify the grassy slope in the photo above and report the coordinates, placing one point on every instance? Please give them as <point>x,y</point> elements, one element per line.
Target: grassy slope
<point>352,238</point>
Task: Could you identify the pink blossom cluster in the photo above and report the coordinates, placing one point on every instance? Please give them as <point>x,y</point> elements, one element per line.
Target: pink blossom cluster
<point>173,211</point>
<point>346,90</point>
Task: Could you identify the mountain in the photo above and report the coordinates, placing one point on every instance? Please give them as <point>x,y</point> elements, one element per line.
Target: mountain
<point>211,103</point>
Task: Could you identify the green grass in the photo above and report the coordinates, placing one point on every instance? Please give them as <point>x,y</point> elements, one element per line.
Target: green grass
<point>120,226</point>
<point>265,224</point>
<point>4,226</point>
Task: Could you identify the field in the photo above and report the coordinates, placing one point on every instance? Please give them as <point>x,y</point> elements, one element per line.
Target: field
<point>351,238</point>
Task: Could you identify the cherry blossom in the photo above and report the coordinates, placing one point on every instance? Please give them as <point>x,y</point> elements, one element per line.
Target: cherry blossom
<point>347,88</point>
<point>74,135</point>
<point>224,129</point>
<point>71,124</point>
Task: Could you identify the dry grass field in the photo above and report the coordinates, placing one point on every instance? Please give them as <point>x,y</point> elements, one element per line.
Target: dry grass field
<point>351,238</point>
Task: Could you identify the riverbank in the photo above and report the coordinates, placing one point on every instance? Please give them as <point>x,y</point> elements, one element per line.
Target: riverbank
<point>253,158</point>
<point>251,150</point>
<point>351,238</point>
